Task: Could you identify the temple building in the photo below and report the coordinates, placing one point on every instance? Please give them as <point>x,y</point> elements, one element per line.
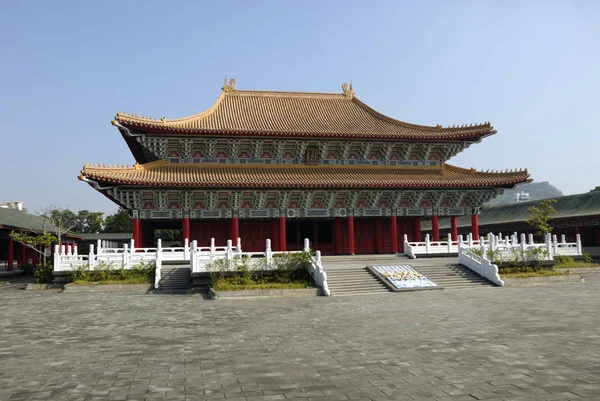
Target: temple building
<point>294,165</point>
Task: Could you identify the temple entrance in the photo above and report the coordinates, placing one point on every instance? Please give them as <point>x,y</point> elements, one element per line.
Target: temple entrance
<point>319,232</point>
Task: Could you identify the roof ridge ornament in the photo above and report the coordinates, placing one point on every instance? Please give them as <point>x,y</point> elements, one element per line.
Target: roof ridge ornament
<point>348,92</point>
<point>228,88</point>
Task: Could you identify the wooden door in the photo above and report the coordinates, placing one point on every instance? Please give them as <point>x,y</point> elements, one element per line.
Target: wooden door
<point>364,236</point>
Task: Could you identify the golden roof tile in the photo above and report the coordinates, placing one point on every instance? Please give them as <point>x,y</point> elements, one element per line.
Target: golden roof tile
<point>267,113</point>
<point>163,174</point>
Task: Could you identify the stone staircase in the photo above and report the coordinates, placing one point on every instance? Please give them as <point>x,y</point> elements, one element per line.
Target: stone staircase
<point>174,278</point>
<point>353,281</point>
<point>453,276</point>
<point>349,275</point>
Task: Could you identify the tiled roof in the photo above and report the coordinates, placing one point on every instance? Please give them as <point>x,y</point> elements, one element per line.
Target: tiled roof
<point>299,114</point>
<point>580,205</point>
<point>21,220</point>
<point>162,174</point>
<point>105,236</point>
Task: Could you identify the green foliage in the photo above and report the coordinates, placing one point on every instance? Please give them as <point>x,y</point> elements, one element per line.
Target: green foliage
<point>43,273</point>
<point>288,271</point>
<point>89,222</point>
<point>119,222</point>
<point>540,215</point>
<point>28,269</point>
<point>567,262</point>
<point>587,258</point>
<point>563,260</point>
<point>104,273</point>
<point>595,189</point>
<point>34,240</point>
<point>169,234</point>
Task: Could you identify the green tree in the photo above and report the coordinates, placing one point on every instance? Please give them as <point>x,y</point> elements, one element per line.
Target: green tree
<point>39,242</point>
<point>63,219</point>
<point>540,215</point>
<point>89,222</point>
<point>119,222</point>
<point>595,189</point>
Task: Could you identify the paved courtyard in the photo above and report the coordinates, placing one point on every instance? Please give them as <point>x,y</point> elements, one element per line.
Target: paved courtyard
<point>536,343</point>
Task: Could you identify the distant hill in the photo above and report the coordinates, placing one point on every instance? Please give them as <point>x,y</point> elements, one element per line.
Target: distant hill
<point>536,190</point>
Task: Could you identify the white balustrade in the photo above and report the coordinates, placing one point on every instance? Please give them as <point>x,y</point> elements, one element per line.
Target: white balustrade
<point>504,247</point>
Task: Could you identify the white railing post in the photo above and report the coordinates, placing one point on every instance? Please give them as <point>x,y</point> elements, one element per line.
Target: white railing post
<point>530,239</point>
<point>157,270</point>
<point>63,250</point>
<point>549,245</point>
<point>91,257</point>
<point>555,244</point>
<point>56,258</point>
<point>186,249</point>
<point>563,239</point>
<point>449,243</point>
<point>523,247</point>
<point>132,246</point>
<point>229,252</point>
<point>194,257</point>
<point>516,237</point>
<point>158,245</point>
<point>69,250</point>
<point>75,249</point>
<point>99,247</point>
<point>470,240</point>
<point>490,242</point>
<point>212,247</point>
<point>427,244</point>
<point>126,260</point>
<point>306,245</point>
<point>268,253</point>
<point>578,240</point>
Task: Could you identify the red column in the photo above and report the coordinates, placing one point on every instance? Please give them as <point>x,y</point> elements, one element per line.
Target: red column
<point>435,228</point>
<point>351,235</point>
<point>185,230</point>
<point>282,239</point>
<point>34,257</point>
<point>394,234</point>
<point>378,236</point>
<point>23,255</point>
<point>416,229</point>
<point>235,229</point>
<point>137,238</point>
<point>11,253</point>
<point>454,228</point>
<point>475,226</point>
<point>339,247</point>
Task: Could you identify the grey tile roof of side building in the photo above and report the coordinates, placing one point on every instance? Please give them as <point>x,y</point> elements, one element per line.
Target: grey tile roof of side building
<point>580,205</point>
<point>106,236</point>
<point>13,219</point>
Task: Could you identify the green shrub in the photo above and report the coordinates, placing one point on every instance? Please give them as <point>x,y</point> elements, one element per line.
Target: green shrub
<point>563,260</point>
<point>104,273</point>
<point>28,269</point>
<point>587,258</point>
<point>43,273</point>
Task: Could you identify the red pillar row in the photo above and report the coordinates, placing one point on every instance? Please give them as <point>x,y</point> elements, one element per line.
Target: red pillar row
<point>475,226</point>
<point>23,255</point>
<point>274,234</point>
<point>416,229</point>
<point>394,233</point>
<point>137,238</point>
<point>11,254</point>
<point>435,228</point>
<point>282,239</point>
<point>351,235</point>
<point>454,228</point>
<point>235,229</point>
<point>185,230</point>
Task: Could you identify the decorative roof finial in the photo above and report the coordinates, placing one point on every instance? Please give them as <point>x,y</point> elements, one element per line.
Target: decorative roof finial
<point>348,92</point>
<point>228,88</point>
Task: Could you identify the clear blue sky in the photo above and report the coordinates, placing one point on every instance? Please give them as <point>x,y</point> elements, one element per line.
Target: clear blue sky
<point>532,68</point>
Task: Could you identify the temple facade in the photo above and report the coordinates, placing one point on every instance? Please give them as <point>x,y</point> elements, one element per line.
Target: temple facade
<point>294,165</point>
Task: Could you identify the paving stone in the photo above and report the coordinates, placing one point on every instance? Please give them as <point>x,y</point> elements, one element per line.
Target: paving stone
<point>534,343</point>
